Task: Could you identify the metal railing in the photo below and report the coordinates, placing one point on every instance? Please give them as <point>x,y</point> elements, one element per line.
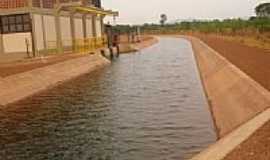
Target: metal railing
<point>89,44</point>
<point>79,45</point>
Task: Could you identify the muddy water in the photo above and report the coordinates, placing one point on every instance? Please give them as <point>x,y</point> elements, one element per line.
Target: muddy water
<point>145,106</point>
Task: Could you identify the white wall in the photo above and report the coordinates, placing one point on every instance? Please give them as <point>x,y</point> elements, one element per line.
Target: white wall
<point>98,27</point>
<point>78,28</point>
<point>50,31</point>
<point>89,27</point>
<point>38,32</point>
<point>16,42</point>
<point>66,31</point>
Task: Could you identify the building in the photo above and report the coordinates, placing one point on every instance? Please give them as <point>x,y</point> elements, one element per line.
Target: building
<point>47,26</point>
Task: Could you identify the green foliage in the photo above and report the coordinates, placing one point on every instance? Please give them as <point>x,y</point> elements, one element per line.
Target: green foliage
<point>228,26</point>
<point>263,10</point>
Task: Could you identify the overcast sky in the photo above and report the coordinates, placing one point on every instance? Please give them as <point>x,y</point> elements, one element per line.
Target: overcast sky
<point>142,11</point>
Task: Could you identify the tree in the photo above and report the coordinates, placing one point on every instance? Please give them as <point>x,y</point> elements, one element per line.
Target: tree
<point>263,10</point>
<point>163,19</point>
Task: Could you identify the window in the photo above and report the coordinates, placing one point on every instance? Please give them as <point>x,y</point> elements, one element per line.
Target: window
<point>20,28</point>
<point>15,23</point>
<point>19,19</point>
<point>5,20</point>
<point>26,18</point>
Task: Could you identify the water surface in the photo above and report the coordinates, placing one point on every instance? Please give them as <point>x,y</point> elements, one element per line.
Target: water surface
<point>145,106</point>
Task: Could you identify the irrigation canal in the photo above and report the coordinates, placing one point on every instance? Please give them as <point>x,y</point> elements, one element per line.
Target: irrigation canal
<point>145,106</point>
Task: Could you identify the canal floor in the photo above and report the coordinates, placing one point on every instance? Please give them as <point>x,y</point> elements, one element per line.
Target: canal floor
<point>145,106</point>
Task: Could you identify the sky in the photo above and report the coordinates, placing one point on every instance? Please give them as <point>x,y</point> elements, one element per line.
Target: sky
<point>149,11</point>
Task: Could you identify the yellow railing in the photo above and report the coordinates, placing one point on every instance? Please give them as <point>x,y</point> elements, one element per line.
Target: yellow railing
<point>89,44</point>
<point>79,45</point>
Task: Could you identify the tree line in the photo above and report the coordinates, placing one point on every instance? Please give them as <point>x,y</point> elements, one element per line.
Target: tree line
<point>252,26</point>
<point>227,26</point>
<point>259,24</point>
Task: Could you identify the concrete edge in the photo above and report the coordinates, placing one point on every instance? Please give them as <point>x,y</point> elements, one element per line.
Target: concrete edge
<point>226,145</point>
<point>214,121</point>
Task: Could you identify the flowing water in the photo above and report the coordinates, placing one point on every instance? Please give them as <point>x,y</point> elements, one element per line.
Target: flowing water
<point>145,106</point>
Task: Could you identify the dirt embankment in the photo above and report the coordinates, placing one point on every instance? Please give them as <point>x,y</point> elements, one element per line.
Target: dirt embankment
<point>257,147</point>
<point>255,62</point>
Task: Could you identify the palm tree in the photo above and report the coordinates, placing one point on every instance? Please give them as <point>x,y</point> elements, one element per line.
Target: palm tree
<point>163,19</point>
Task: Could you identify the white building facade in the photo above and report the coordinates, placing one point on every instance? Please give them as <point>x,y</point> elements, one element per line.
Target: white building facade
<point>40,27</point>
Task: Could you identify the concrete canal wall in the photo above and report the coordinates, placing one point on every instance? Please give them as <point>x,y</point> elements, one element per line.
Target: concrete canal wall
<point>239,105</point>
<point>19,86</point>
<point>233,96</point>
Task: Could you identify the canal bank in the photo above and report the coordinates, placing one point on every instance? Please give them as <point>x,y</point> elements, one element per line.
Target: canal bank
<point>239,106</point>
<point>22,85</point>
<point>233,96</point>
<point>19,80</point>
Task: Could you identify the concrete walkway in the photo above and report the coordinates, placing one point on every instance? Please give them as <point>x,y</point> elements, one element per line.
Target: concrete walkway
<point>19,86</point>
<point>12,57</point>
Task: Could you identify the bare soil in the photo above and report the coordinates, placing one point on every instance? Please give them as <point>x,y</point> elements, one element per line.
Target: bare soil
<point>255,148</point>
<point>255,62</point>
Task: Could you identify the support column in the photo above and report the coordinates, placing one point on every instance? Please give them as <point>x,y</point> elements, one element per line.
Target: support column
<point>33,31</point>
<point>94,26</point>
<point>58,29</point>
<point>84,26</point>
<point>102,25</point>
<point>33,36</point>
<point>58,33</point>
<point>72,27</point>
<point>44,33</point>
<point>43,29</point>
<point>2,50</point>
